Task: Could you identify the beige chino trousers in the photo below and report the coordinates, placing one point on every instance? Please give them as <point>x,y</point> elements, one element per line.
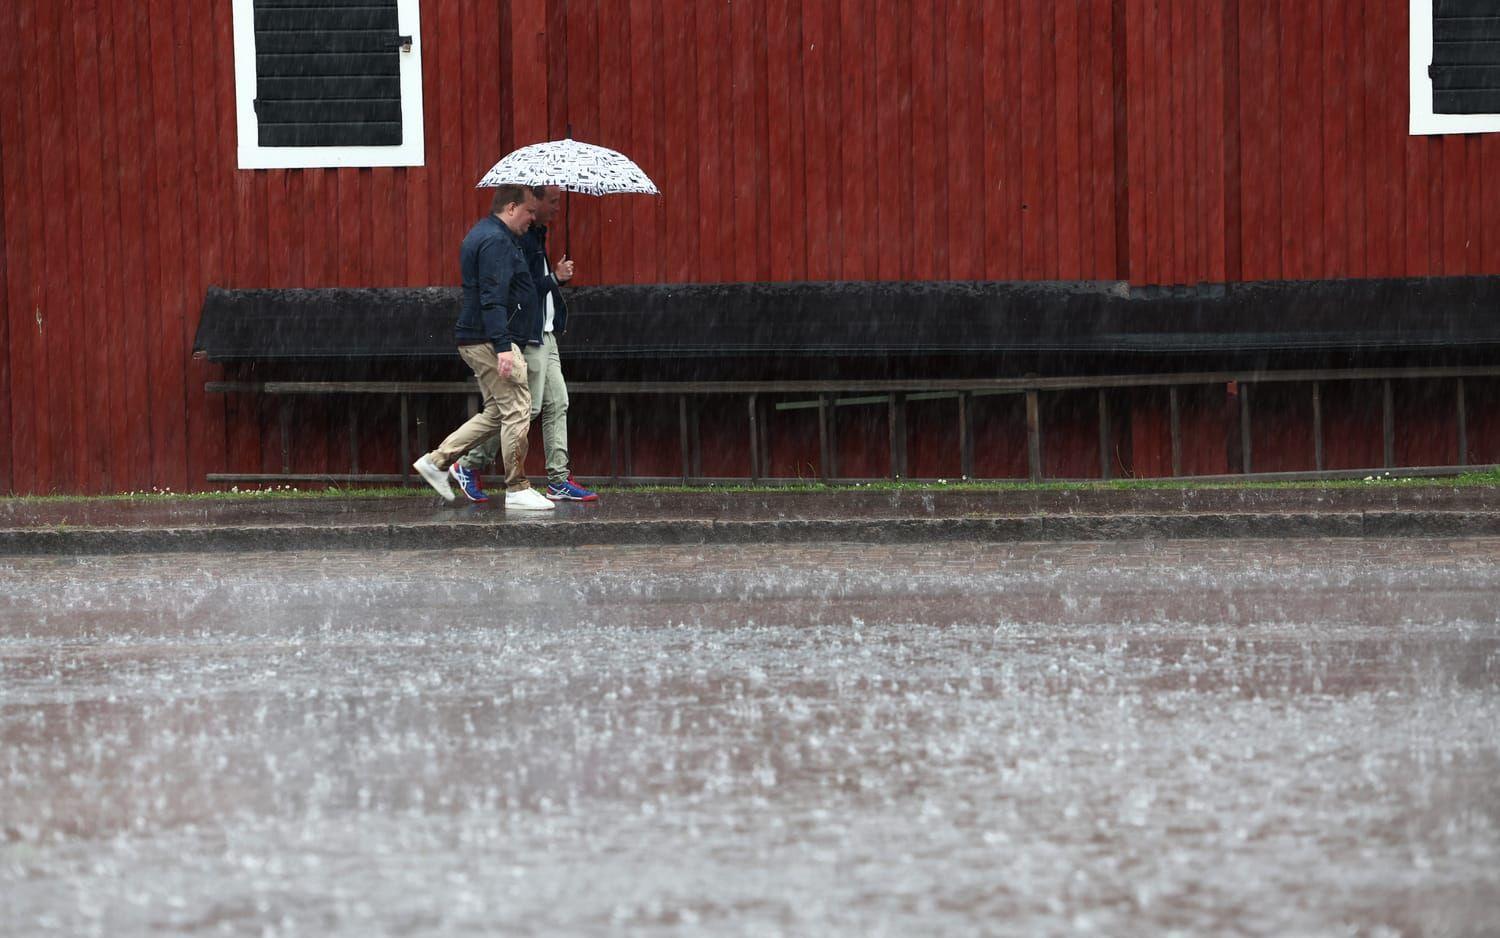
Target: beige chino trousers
<point>505,417</point>
<point>549,400</point>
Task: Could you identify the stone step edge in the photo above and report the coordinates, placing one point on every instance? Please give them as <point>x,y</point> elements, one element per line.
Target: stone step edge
<point>442,536</point>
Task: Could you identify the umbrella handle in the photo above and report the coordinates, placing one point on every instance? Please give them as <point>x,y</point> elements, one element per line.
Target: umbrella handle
<point>568,196</point>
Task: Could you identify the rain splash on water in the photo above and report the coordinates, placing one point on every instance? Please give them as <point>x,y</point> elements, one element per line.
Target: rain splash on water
<point>1274,738</point>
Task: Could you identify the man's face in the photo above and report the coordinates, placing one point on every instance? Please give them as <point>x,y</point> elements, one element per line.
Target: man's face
<point>549,205</point>
<point>518,216</point>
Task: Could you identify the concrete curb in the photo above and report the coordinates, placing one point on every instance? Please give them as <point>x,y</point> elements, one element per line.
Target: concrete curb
<point>445,536</point>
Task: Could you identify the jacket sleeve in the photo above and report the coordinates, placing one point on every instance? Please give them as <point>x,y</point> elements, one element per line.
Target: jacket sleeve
<point>523,302</point>
<point>492,263</point>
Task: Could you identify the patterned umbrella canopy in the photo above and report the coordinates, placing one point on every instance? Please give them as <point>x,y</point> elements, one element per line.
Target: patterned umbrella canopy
<point>577,167</point>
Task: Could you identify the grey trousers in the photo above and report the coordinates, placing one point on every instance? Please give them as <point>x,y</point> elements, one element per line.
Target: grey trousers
<point>549,399</point>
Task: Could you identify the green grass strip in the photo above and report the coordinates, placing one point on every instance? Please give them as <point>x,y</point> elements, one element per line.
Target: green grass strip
<point>251,494</point>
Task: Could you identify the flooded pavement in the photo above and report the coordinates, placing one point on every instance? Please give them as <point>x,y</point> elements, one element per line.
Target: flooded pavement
<point>78,527</point>
<point>157,513</point>
<point>1250,737</point>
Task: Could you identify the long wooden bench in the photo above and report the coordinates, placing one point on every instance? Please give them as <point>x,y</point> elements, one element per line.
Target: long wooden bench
<point>893,395</point>
<point>1244,332</point>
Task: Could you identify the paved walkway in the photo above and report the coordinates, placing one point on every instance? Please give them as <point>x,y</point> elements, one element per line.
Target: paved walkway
<point>1247,737</point>
<point>154,525</point>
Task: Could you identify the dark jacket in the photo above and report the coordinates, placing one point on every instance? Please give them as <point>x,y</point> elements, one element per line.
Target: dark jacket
<point>534,246</point>
<point>500,298</point>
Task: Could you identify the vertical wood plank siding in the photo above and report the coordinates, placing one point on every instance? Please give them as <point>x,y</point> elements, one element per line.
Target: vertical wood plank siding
<point>1160,141</point>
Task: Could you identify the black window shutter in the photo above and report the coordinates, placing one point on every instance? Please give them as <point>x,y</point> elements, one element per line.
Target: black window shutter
<point>328,73</point>
<point>1465,68</point>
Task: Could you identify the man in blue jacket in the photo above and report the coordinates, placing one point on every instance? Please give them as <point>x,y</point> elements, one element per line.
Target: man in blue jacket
<point>549,392</point>
<point>499,314</point>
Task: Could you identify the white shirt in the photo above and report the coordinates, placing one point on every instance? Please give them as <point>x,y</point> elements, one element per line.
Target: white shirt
<point>550,305</point>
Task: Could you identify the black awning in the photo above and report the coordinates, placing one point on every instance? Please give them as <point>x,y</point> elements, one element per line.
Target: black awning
<point>284,325</point>
<point>868,319</point>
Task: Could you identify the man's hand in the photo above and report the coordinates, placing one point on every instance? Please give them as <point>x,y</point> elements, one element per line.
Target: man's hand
<point>564,271</point>
<point>507,363</point>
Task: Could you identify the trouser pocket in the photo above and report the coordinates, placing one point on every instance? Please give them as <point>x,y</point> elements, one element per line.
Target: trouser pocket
<point>518,372</point>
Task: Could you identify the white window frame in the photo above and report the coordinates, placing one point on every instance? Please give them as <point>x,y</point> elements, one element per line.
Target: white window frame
<point>411,151</point>
<point>1422,119</point>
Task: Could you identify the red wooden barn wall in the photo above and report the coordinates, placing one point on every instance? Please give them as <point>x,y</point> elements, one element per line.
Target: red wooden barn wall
<point>1153,140</point>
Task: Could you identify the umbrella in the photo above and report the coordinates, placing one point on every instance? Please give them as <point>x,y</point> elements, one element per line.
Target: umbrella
<point>574,166</point>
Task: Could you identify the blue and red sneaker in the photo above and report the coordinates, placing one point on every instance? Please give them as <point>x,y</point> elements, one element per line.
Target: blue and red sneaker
<point>569,491</point>
<point>467,482</point>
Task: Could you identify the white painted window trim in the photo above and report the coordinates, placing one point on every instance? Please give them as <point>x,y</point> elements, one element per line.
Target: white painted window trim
<point>1423,120</point>
<point>252,155</point>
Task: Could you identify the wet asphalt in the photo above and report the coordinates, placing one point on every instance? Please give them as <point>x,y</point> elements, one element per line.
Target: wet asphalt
<point>95,526</point>
<point>1288,736</point>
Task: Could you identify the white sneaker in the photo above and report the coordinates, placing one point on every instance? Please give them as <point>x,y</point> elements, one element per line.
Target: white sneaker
<point>435,477</point>
<point>527,500</point>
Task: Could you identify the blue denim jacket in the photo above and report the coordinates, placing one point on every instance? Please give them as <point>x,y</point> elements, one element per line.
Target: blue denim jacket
<point>500,302</point>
